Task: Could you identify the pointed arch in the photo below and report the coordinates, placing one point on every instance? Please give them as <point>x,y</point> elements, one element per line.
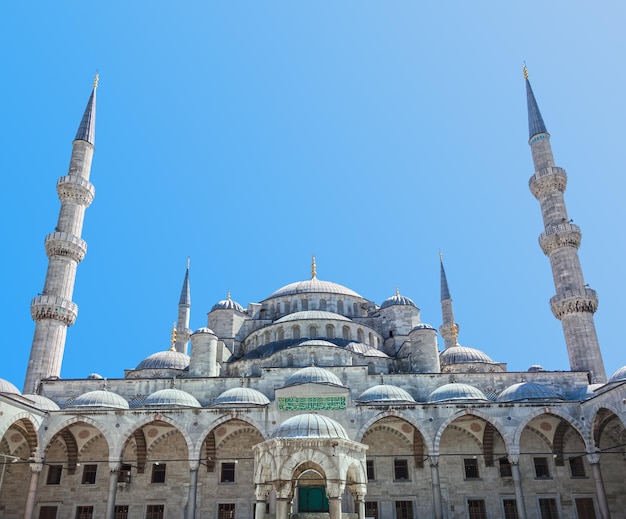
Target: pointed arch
<point>555,411</point>
<point>426,445</point>
<point>465,412</point>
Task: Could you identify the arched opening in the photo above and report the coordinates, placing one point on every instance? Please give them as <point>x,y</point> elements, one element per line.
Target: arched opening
<point>330,331</point>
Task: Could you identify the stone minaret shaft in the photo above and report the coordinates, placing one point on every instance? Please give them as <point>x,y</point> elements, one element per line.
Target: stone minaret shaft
<point>184,309</point>
<point>53,310</point>
<point>449,330</point>
<point>574,303</point>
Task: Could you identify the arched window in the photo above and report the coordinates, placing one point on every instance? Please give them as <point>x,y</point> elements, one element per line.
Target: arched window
<point>280,334</point>
<point>266,338</point>
<point>278,308</point>
<point>330,331</point>
<point>355,309</point>
<point>371,369</point>
<point>312,332</point>
<point>263,313</point>
<point>304,303</point>
<point>370,340</point>
<point>287,306</point>
<point>340,306</point>
<point>323,305</point>
<point>346,333</point>
<point>295,332</point>
<point>289,360</point>
<point>360,335</point>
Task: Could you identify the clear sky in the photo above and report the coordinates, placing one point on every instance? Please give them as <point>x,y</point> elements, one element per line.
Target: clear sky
<point>250,135</point>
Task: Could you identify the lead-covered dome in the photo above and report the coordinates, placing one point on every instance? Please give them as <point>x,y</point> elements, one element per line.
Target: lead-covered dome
<point>310,315</point>
<point>227,304</point>
<point>385,394</point>
<point>310,426</point>
<point>397,300</point>
<point>619,375</point>
<point>171,397</point>
<point>241,396</point>
<point>7,387</point>
<point>100,398</point>
<point>313,285</point>
<point>170,359</point>
<point>314,375</point>
<point>457,391</point>
<point>525,391</point>
<point>463,355</point>
<point>42,402</point>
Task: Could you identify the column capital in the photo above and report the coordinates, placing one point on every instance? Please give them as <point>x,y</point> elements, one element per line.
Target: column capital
<point>513,458</point>
<point>433,460</point>
<point>593,457</point>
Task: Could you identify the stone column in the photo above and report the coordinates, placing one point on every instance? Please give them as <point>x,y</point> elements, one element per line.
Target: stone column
<point>517,482</point>
<point>603,504</point>
<point>35,470</point>
<point>262,492</point>
<point>114,473</point>
<point>334,507</point>
<point>193,489</point>
<point>359,506</point>
<point>282,508</point>
<point>436,486</point>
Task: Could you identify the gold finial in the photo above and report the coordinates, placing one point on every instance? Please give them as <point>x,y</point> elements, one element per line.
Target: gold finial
<point>173,339</point>
<point>313,268</point>
<point>397,292</point>
<point>95,80</point>
<point>455,332</point>
<point>525,71</point>
<point>228,296</point>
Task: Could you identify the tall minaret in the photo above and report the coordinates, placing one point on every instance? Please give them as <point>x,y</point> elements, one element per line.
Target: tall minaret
<point>574,303</point>
<point>183,333</point>
<point>53,310</point>
<point>449,330</point>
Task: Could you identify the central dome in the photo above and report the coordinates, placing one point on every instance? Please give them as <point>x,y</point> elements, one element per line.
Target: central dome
<point>314,285</point>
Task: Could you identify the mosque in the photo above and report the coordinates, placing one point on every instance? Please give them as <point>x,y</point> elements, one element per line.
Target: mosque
<point>315,402</point>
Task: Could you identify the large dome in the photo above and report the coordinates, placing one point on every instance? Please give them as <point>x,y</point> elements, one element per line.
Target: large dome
<point>171,398</point>
<point>525,391</point>
<point>241,396</point>
<point>313,285</point>
<point>314,375</point>
<point>100,398</point>
<point>385,394</point>
<point>463,355</point>
<point>456,391</point>
<point>310,426</point>
<point>311,314</point>
<point>170,359</point>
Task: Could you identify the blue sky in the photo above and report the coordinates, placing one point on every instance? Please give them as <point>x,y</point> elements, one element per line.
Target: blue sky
<point>251,135</point>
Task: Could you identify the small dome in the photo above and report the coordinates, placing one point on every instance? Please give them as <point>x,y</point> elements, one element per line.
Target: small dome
<point>310,426</point>
<point>94,376</point>
<point>527,391</point>
<point>315,286</point>
<point>169,359</point>
<point>584,393</point>
<point>619,375</point>
<point>227,304</point>
<point>397,300</point>
<point>463,355</point>
<point>100,398</point>
<point>456,391</point>
<point>7,387</point>
<point>204,330</point>
<point>171,398</point>
<point>42,402</point>
<point>535,368</point>
<point>241,396</point>
<point>314,375</point>
<point>423,326</point>
<point>385,394</point>
<point>311,314</point>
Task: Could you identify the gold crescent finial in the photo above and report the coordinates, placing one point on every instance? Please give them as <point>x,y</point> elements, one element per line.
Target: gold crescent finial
<point>455,332</point>
<point>95,80</point>
<point>228,296</point>
<point>525,71</point>
<point>173,339</point>
<point>397,292</point>
<point>313,268</point>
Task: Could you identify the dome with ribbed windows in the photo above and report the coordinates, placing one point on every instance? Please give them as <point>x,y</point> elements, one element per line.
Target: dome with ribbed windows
<point>310,426</point>
<point>313,374</point>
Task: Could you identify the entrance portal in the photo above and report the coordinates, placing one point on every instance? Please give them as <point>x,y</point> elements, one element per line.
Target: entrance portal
<point>312,499</point>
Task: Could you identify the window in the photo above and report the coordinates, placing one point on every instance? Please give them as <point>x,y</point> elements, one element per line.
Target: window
<point>121,512</point>
<point>226,511</point>
<point>312,332</point>
<point>158,473</point>
<point>577,467</point>
<point>505,468</point>
<point>510,508</point>
<point>584,508</point>
<point>401,469</point>
<point>476,509</point>
<point>304,304</point>
<point>471,468</point>
<point>346,333</point>
<point>84,512</point>
<point>48,512</point>
<point>360,335</point>
<point>323,304</point>
<point>371,475</point>
<point>371,509</point>
<point>330,331</point>
<point>295,332</point>
<point>228,473</point>
<point>155,511</point>
<point>89,474</point>
<point>54,474</point>
<point>548,508</point>
<point>404,509</point>
<point>340,306</point>
<point>542,470</point>
<point>124,475</point>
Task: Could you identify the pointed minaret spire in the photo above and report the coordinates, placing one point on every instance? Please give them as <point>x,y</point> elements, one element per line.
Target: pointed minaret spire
<point>574,303</point>
<point>449,330</point>
<point>183,333</point>
<point>53,310</point>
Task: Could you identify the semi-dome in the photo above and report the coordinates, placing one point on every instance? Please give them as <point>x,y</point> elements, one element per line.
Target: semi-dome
<point>241,396</point>
<point>619,375</point>
<point>584,393</point>
<point>311,314</point>
<point>100,398</point>
<point>365,349</point>
<point>313,374</point>
<point>227,304</point>
<point>7,387</point>
<point>397,300</point>
<point>171,397</point>
<point>463,355</point>
<point>310,426</point>
<point>314,285</point>
<point>170,359</point>
<point>385,394</point>
<point>317,342</point>
<point>525,391</point>
<point>42,402</point>
<point>456,391</point>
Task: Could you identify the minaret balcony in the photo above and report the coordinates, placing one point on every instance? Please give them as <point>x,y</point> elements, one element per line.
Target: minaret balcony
<point>75,188</point>
<point>547,180</point>
<point>558,236</point>
<point>65,244</point>
<point>53,307</point>
<point>573,302</point>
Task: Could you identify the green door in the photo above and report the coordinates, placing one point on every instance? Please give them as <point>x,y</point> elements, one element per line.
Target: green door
<point>312,499</point>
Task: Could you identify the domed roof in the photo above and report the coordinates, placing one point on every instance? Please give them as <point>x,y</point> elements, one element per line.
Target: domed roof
<point>7,387</point>
<point>311,314</point>
<point>94,376</point>
<point>310,426</point>
<point>43,403</point>
<point>584,393</point>
<point>241,396</point>
<point>620,374</point>
<point>463,355</point>
<point>527,391</point>
<point>171,398</point>
<point>535,368</point>
<point>423,326</point>
<point>227,304</point>
<point>314,375</point>
<point>397,300</point>
<point>170,359</point>
<point>317,342</point>
<point>204,329</point>
<point>313,285</point>
<point>385,394</point>
<point>366,350</point>
<point>456,391</point>
<point>100,398</point>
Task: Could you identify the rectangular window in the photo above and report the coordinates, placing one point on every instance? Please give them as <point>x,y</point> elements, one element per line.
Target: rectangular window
<point>371,509</point>
<point>510,508</point>
<point>577,467</point>
<point>158,473</point>
<point>401,470</point>
<point>121,512</point>
<point>371,475</point>
<point>226,511</point>
<point>542,470</point>
<point>471,468</point>
<point>404,509</point>
<point>124,475</point>
<point>476,509</point>
<point>48,512</point>
<point>548,508</point>
<point>89,474</point>
<point>54,474</point>
<point>227,474</point>
<point>155,511</point>
<point>84,512</point>
<point>585,508</point>
<point>505,468</point>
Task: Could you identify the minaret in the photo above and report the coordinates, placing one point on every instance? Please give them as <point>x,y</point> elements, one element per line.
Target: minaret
<point>53,310</point>
<point>183,333</point>
<point>449,330</point>
<point>574,303</point>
